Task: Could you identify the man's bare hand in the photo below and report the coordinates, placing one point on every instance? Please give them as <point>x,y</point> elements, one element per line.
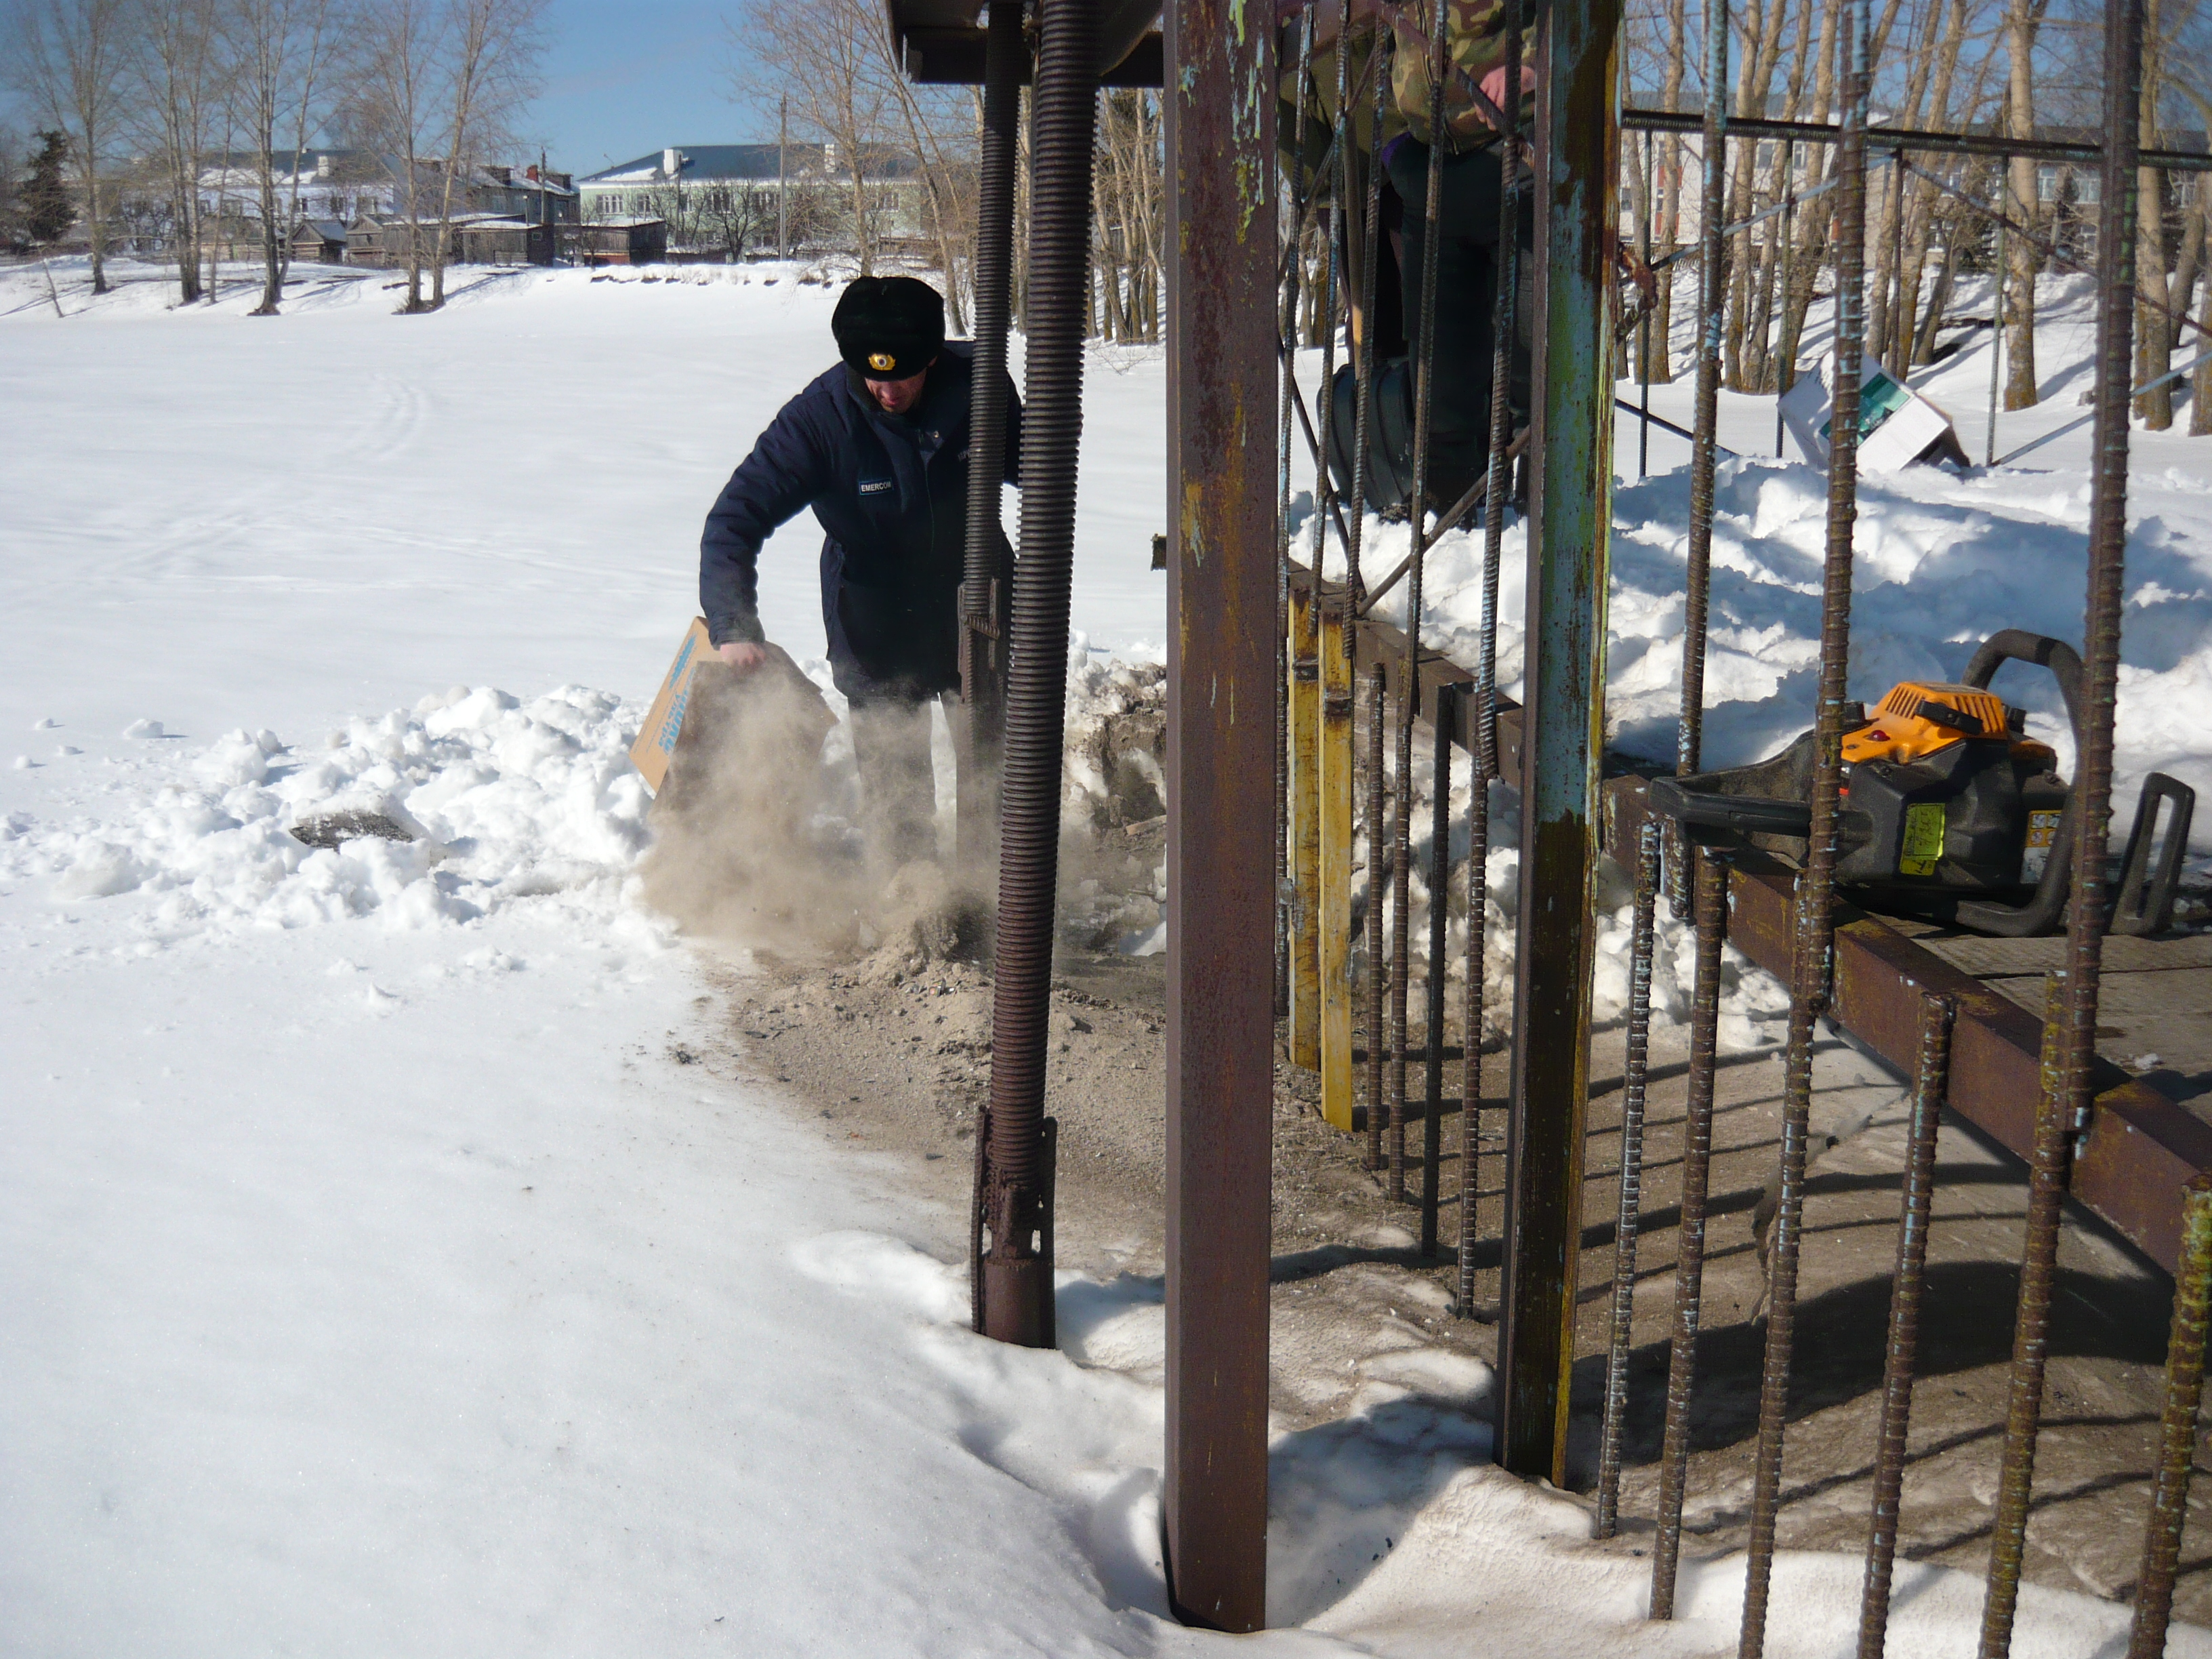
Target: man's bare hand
<point>744,655</point>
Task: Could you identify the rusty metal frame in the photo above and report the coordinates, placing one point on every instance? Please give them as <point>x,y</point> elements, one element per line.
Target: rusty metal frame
<point>1220,121</point>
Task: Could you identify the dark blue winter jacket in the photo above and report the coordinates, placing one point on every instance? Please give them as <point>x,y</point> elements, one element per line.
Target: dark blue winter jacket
<point>890,492</point>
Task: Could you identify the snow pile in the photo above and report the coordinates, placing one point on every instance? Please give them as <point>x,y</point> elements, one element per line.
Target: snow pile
<point>440,814</point>
<point>1387,1531</point>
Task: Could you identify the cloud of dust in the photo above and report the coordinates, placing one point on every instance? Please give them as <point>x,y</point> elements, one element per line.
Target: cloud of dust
<point>744,851</point>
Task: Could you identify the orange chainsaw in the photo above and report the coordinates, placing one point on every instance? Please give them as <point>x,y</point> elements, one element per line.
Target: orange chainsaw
<point>1948,810</point>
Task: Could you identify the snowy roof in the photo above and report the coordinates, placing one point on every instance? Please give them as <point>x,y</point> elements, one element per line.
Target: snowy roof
<point>704,161</point>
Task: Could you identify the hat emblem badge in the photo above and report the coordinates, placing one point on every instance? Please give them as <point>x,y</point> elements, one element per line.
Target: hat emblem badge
<point>882,360</point>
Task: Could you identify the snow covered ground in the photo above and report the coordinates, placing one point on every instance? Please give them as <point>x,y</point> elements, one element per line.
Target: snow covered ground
<point>385,1266</point>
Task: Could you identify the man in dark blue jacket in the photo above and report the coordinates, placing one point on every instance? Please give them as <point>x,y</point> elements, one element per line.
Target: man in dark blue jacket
<point>877,446</point>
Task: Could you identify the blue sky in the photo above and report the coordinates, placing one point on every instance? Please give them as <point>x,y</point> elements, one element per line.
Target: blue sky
<point>624,79</point>
<point>620,80</point>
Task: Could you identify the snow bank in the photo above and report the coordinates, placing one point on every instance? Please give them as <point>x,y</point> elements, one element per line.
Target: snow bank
<point>497,801</point>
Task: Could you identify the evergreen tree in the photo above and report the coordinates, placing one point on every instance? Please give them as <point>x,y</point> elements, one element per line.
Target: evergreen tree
<point>46,208</point>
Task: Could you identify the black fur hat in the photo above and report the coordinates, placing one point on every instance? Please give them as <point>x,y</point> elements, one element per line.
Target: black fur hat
<point>889,328</point>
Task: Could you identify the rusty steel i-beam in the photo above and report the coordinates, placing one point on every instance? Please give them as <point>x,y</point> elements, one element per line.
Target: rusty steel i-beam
<point>1221,118</point>
<point>1570,499</point>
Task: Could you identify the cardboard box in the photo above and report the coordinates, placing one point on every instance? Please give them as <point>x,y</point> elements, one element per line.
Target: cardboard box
<point>664,721</point>
<point>1897,425</point>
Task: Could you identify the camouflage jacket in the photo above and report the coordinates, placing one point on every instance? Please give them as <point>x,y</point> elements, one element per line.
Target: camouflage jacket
<point>1474,40</point>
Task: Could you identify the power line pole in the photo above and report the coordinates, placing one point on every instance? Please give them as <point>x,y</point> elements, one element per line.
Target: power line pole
<point>782,180</point>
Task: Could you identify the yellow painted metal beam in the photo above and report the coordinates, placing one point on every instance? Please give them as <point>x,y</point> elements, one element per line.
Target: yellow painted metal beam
<point>1305,833</point>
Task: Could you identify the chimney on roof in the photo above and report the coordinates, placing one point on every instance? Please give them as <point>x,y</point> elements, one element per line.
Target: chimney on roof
<point>671,161</point>
<point>505,175</point>
<point>531,172</point>
<point>326,164</point>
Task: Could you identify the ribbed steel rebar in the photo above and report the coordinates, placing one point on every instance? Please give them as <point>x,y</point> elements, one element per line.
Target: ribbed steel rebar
<point>1290,403</point>
<point>1712,302</point>
<point>1997,345</point>
<point>1424,349</point>
<point>1363,353</point>
<point>1708,909</point>
<point>1470,1094</point>
<point>1504,329</point>
<point>1017,1277</point>
<point>1643,326</point>
<point>1504,326</point>
<point>1379,972</point>
<point>1443,717</point>
<point>1635,1079</point>
<point>2089,904</point>
<point>1785,369</point>
<point>1902,1357</point>
<point>2048,1158</point>
<point>2177,1434</point>
<point>1325,392</point>
<point>1814,919</point>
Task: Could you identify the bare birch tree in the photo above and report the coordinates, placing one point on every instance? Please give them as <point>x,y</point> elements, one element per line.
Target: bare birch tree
<point>175,86</point>
<point>279,51</point>
<point>69,62</point>
<point>402,44</point>
<point>492,48</point>
<point>831,57</point>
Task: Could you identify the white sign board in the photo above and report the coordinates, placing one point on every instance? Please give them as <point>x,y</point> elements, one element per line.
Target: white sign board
<point>1897,425</point>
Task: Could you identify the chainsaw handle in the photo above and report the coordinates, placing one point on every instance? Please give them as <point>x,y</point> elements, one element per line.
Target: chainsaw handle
<point>2018,645</point>
<point>1699,808</point>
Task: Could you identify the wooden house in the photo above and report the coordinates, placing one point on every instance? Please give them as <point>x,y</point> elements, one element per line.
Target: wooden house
<point>318,241</point>
<point>615,241</point>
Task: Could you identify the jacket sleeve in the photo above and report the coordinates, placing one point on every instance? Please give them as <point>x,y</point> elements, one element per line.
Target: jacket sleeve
<point>1013,432</point>
<point>785,471</point>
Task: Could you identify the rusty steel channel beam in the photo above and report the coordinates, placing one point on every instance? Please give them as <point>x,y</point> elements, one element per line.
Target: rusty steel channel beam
<point>1932,143</point>
<point>2142,1149</point>
<point>1221,230</point>
<point>1578,170</point>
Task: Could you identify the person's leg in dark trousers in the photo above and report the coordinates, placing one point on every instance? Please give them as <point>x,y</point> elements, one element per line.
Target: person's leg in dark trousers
<point>898,784</point>
<point>1467,297</point>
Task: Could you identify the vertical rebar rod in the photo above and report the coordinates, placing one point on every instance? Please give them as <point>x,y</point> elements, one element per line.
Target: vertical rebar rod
<point>1902,1357</point>
<point>1651,310</point>
<point>1443,718</point>
<point>1379,973</point>
<point>1289,301</point>
<point>1470,1094</point>
<point>1814,920</point>
<point>1325,390</point>
<point>1409,694</point>
<point>2089,902</point>
<point>1712,303</point>
<point>2177,1435</point>
<point>1709,911</point>
<point>1628,1212</point>
<point>1017,1285</point>
<point>1363,351</point>
<point>1996,342</point>
<point>1504,330</point>
<point>1504,326</point>
<point>1785,348</point>
<point>2046,1195</point>
<point>1897,346</point>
